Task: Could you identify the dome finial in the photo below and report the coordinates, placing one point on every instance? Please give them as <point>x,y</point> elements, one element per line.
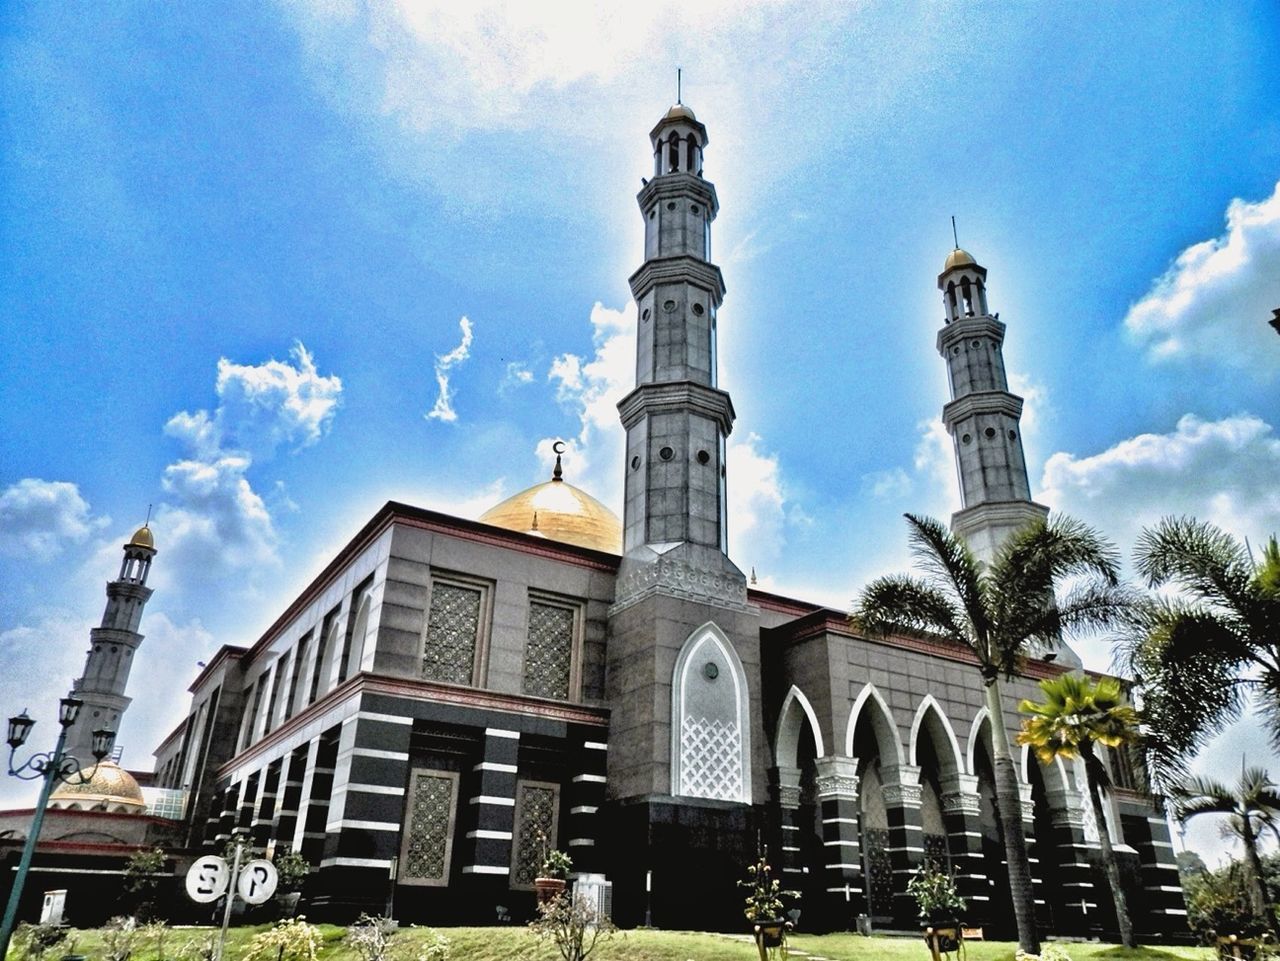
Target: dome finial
<point>558,472</point>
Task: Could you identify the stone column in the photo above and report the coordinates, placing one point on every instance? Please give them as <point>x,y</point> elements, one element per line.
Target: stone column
<point>837,784</point>
<point>1039,886</point>
<point>784,802</point>
<point>491,819</point>
<point>962,815</point>
<point>586,795</point>
<point>290,799</point>
<point>265,807</point>
<point>906,836</point>
<point>1074,898</point>
<point>1163,910</point>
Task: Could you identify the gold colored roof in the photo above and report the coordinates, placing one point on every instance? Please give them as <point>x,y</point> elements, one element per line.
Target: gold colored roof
<point>959,258</point>
<point>559,511</point>
<point>680,112</point>
<point>110,784</point>
<point>143,537</point>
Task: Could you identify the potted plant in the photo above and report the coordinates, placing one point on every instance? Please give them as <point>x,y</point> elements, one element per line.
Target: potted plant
<point>764,907</point>
<point>940,908</point>
<point>293,870</point>
<point>553,876</point>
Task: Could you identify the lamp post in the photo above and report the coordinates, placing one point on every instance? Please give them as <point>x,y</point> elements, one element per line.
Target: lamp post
<point>54,767</point>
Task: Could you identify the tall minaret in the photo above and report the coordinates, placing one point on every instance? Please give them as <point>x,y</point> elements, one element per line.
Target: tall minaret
<point>983,417</point>
<point>676,418</point>
<point>111,648</point>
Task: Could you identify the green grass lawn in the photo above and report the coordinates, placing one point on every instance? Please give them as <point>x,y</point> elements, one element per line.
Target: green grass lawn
<point>518,944</point>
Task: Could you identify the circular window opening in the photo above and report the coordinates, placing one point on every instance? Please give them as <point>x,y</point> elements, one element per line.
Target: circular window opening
<point>975,344</point>
<point>698,309</point>
<point>955,350</point>
<point>703,457</point>
<point>635,463</point>
<point>966,439</point>
<point>990,432</point>
<point>671,206</point>
<point>666,453</point>
<point>722,471</point>
<point>653,213</point>
<point>644,314</point>
<point>710,671</point>
<point>694,207</point>
<point>668,305</point>
<point>1013,435</point>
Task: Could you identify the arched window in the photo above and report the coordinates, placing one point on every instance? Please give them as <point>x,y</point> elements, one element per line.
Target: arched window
<point>710,729</point>
<point>673,153</point>
<point>691,154</point>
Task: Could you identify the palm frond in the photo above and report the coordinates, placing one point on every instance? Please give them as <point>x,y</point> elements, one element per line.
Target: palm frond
<point>902,603</point>
<point>1087,609</point>
<point>950,565</point>
<point>1198,556</point>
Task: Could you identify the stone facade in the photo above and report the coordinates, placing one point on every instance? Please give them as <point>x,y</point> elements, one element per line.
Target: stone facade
<point>446,692</point>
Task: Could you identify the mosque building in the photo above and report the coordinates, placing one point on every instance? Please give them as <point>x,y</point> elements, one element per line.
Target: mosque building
<point>450,696</point>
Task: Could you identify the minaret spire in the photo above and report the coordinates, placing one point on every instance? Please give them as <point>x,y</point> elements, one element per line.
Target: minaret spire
<point>112,646</point>
<point>677,419</point>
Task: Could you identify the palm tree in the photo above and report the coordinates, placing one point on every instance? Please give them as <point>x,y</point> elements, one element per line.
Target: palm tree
<point>1000,612</point>
<point>1198,657</point>
<point>1252,805</point>
<point>1077,714</point>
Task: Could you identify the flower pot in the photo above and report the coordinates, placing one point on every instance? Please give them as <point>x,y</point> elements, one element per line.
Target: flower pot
<point>770,934</point>
<point>943,939</point>
<point>547,889</point>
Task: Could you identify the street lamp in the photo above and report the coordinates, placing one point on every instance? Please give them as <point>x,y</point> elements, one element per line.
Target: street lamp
<point>54,767</point>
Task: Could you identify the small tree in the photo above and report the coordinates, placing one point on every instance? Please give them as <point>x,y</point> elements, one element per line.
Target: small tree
<point>142,879</point>
<point>1078,714</point>
<point>293,870</point>
<point>937,900</point>
<point>573,924</point>
<point>764,903</point>
<point>120,937</point>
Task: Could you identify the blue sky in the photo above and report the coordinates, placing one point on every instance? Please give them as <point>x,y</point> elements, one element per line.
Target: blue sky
<point>242,247</point>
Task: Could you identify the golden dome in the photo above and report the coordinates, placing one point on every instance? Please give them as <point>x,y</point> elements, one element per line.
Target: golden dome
<point>680,112</point>
<point>959,258</point>
<point>559,511</point>
<point>111,786</point>
<point>143,537</point>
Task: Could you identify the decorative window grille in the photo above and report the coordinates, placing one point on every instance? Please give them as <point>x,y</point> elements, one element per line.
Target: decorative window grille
<point>453,626</point>
<point>548,659</point>
<point>428,833</point>
<point>537,815</point>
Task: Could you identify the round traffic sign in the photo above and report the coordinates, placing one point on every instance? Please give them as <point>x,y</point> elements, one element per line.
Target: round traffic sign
<point>207,879</point>
<point>257,881</point>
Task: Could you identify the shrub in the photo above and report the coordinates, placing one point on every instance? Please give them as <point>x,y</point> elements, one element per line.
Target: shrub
<point>120,936</point>
<point>33,940</point>
<point>371,937</point>
<point>1048,952</point>
<point>293,869</point>
<point>572,923</point>
<point>157,934</point>
<point>293,938</point>
<point>556,864</point>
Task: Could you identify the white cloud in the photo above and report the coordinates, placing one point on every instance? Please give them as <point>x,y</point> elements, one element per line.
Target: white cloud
<point>262,407</point>
<point>38,518</point>
<point>213,524</point>
<point>518,375</point>
<point>443,409</point>
<point>1215,300</point>
<point>887,484</point>
<point>758,508</point>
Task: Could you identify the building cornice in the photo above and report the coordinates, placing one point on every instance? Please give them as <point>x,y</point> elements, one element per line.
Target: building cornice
<point>678,270</point>
<point>677,396</point>
<point>679,185</point>
<point>982,402</point>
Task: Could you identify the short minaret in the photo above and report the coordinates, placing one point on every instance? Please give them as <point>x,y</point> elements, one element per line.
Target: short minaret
<point>677,419</point>
<point>983,416</point>
<point>112,646</point>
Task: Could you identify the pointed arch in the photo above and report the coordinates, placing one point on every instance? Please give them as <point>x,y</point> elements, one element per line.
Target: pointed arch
<point>886,731</point>
<point>710,726</point>
<point>1055,774</point>
<point>975,731</point>
<point>930,713</point>
<point>787,742</point>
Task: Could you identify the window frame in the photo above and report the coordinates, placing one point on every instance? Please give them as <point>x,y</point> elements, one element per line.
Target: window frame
<point>553,837</point>
<point>484,624</point>
<point>407,833</point>
<point>577,607</point>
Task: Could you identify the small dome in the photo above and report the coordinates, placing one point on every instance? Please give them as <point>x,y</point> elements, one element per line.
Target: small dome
<point>559,511</point>
<point>959,258</point>
<point>142,537</point>
<point>111,786</point>
<point>680,112</point>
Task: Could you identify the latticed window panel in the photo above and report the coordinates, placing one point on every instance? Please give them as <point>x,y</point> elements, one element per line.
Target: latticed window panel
<point>428,835</point>
<point>548,659</point>
<point>536,808</point>
<point>453,624</point>
<point>710,759</point>
<point>879,871</point>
